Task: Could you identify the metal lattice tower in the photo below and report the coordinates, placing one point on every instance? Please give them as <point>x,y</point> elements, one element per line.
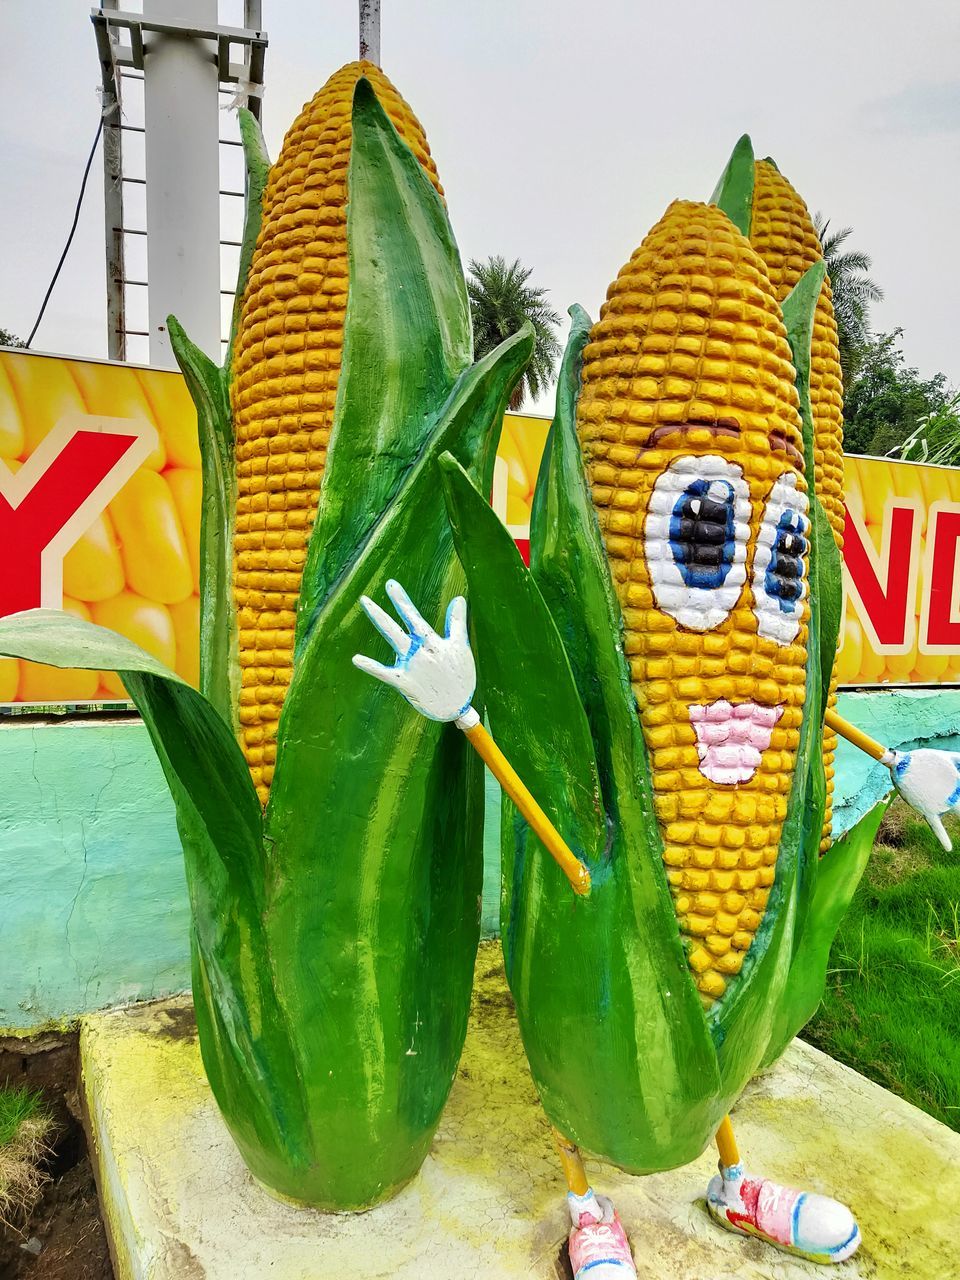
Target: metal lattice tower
<point>183,58</point>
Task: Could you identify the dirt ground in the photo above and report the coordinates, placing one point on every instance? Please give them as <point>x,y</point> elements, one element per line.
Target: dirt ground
<point>64,1236</point>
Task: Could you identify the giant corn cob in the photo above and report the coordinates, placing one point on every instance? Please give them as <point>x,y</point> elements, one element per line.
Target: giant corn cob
<point>689,423</point>
<point>783,234</point>
<point>675,572</point>
<point>286,366</point>
<point>334,930</point>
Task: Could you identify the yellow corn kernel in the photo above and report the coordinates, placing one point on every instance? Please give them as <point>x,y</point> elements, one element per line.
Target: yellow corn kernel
<point>152,544</point>
<point>931,668</point>
<point>783,234</point>
<point>12,440</point>
<point>170,406</point>
<point>92,568</point>
<point>187,490</point>
<point>850,657</point>
<point>40,683</point>
<point>286,364</point>
<point>45,391</point>
<point>113,391</point>
<point>877,494</point>
<point>871,665</point>
<point>900,665</point>
<point>186,629</point>
<point>722,387</point>
<point>143,621</point>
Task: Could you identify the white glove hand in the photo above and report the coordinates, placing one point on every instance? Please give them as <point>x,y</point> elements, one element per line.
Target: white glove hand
<point>436,674</point>
<point>929,781</point>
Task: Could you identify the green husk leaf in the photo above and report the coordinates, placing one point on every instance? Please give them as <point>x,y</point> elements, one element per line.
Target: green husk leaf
<point>545,732</point>
<point>745,1019</point>
<point>799,312</point>
<point>409,316</point>
<point>374,824</point>
<point>258,171</point>
<point>395,864</point>
<point>734,192</point>
<point>838,875</point>
<point>606,973</point>
<point>218,817</point>
<point>372,912</point>
<point>208,387</point>
<point>826,584</point>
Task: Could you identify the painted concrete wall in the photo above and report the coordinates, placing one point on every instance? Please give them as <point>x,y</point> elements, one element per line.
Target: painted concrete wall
<point>907,718</point>
<point>93,907</point>
<point>93,902</point>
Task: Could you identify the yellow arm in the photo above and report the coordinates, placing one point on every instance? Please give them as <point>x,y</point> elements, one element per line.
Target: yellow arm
<point>855,735</point>
<point>510,781</point>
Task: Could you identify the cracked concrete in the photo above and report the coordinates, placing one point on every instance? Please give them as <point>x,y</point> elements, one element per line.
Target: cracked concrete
<point>489,1198</point>
<point>95,909</point>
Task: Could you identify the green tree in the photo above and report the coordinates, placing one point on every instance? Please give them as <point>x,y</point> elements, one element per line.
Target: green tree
<point>888,403</point>
<point>500,301</point>
<point>8,339</point>
<point>853,291</point>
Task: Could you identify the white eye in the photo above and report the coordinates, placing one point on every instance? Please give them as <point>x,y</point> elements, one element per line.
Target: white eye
<point>696,534</point>
<point>780,562</point>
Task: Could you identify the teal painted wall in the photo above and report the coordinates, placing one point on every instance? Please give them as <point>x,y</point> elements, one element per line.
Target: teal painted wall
<point>93,902</point>
<point>93,906</point>
<point>909,718</point>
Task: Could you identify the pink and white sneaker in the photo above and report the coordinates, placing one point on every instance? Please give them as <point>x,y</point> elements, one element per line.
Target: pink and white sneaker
<point>799,1222</point>
<point>599,1249</point>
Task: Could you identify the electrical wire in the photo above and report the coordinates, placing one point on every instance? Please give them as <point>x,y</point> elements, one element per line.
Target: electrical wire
<point>73,228</point>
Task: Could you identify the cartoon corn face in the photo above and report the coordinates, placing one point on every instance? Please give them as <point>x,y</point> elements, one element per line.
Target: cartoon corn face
<point>690,429</point>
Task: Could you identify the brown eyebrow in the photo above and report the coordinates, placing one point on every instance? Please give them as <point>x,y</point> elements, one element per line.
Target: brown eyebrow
<point>722,427</point>
<point>725,427</point>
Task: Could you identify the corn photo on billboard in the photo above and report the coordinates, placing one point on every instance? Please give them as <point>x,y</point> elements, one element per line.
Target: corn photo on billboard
<point>100,515</point>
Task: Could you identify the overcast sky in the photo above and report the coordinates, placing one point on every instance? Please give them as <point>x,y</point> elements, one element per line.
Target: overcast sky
<point>561,131</point>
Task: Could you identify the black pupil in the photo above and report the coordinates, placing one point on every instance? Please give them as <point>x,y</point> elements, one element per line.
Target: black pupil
<point>784,576</point>
<point>701,533</point>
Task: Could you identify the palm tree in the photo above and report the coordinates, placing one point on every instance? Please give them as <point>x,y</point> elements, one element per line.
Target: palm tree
<point>853,291</point>
<point>500,301</point>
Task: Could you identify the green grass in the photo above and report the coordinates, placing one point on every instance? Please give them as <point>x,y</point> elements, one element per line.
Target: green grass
<point>16,1105</point>
<point>892,1004</point>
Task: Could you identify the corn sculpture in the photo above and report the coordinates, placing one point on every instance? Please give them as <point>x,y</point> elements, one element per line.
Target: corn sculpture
<point>332,843</point>
<point>683,567</point>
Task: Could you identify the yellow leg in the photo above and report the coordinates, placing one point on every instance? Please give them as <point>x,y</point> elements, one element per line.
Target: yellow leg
<point>727,1144</point>
<point>573,1169</point>
<point>509,779</point>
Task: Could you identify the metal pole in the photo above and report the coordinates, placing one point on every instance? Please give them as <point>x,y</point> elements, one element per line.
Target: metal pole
<point>181,111</point>
<point>112,190</point>
<point>370,31</point>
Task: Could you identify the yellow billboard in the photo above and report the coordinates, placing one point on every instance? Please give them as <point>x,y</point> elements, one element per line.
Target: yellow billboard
<point>100,515</point>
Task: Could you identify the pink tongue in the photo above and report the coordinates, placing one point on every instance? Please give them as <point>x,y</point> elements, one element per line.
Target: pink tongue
<point>731,738</point>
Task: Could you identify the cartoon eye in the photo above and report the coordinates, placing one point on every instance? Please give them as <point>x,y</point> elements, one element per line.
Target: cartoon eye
<point>696,534</point>
<point>779,563</point>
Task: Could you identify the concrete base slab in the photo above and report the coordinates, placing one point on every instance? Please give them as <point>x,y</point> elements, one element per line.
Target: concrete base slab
<point>488,1202</point>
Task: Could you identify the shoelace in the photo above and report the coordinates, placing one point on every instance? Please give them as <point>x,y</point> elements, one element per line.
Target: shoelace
<point>601,1240</point>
